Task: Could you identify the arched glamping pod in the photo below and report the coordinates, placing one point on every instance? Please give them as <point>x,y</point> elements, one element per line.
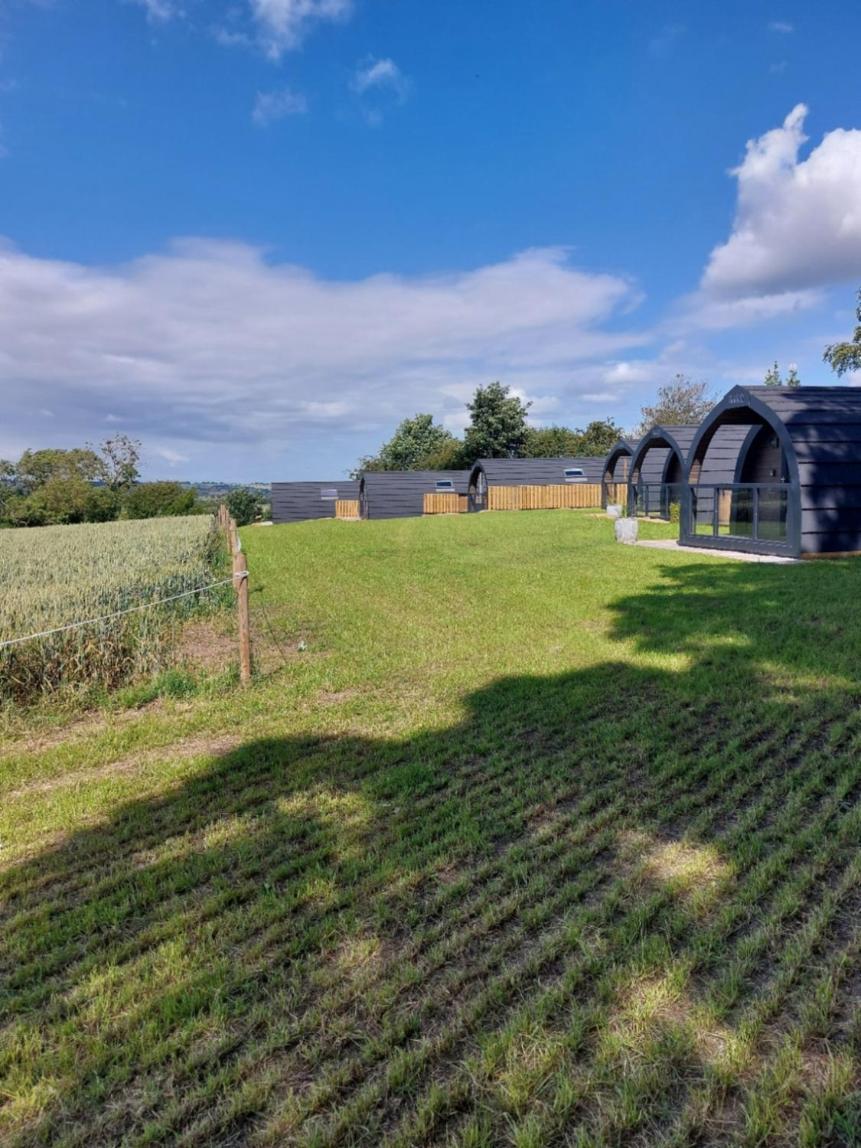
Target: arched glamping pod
<point>490,474</point>
<point>796,482</point>
<point>617,466</point>
<point>658,470</point>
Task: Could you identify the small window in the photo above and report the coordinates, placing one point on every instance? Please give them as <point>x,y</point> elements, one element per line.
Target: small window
<point>329,493</point>
<point>574,474</point>
<point>444,484</point>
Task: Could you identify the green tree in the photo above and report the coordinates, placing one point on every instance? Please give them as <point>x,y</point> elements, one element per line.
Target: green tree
<point>448,456</point>
<point>773,377</point>
<point>244,505</point>
<point>497,426</point>
<point>679,403</point>
<point>551,442</point>
<point>159,500</point>
<point>35,467</point>
<point>843,357</point>
<point>63,500</point>
<point>414,443</point>
<point>120,456</point>
<point>562,442</point>
<point>599,438</point>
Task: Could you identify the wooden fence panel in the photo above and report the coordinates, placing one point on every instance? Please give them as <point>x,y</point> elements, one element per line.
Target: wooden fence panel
<point>617,492</point>
<point>569,495</point>
<point>724,507</point>
<point>346,508</point>
<point>503,497</point>
<point>448,502</point>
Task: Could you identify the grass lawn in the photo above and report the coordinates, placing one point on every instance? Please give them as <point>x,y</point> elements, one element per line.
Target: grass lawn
<point>540,840</point>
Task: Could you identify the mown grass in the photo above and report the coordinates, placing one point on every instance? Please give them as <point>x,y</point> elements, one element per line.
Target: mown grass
<point>539,841</point>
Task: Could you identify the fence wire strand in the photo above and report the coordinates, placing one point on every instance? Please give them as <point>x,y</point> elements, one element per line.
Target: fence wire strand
<point>120,613</point>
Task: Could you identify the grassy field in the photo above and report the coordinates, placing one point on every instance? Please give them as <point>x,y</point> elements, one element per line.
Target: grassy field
<point>56,575</point>
<point>531,839</point>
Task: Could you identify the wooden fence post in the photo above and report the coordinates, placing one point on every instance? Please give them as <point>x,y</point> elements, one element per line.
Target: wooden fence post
<point>240,575</point>
<point>240,585</point>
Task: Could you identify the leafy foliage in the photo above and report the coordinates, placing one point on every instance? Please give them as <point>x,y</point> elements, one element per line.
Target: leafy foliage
<point>563,442</point>
<point>845,357</point>
<point>120,458</point>
<point>158,500</point>
<point>497,427</point>
<point>551,442</point>
<point>415,445</point>
<point>245,505</point>
<point>599,437</point>
<point>773,377</point>
<point>62,501</point>
<point>36,467</point>
<point>682,402</point>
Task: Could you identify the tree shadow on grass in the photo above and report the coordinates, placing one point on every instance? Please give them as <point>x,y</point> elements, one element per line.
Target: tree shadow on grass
<point>620,903</point>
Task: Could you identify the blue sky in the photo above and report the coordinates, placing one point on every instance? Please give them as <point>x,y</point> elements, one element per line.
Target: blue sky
<point>256,234</point>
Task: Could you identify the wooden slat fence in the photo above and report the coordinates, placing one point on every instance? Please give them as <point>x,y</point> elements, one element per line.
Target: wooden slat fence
<point>346,508</point>
<point>617,492</point>
<point>569,496</point>
<point>447,503</point>
<point>724,507</point>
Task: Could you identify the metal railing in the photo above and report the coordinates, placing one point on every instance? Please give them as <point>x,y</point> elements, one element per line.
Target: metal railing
<point>654,499</point>
<point>753,511</point>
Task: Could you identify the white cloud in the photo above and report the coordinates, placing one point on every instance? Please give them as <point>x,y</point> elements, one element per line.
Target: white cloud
<point>283,24</point>
<point>781,26</point>
<point>798,222</point>
<point>169,455</point>
<point>158,11</point>
<point>208,344</point>
<point>372,73</point>
<point>276,105</point>
<point>716,312</point>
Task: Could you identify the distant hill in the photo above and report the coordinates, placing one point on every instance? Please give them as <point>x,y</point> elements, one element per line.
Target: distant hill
<point>219,489</point>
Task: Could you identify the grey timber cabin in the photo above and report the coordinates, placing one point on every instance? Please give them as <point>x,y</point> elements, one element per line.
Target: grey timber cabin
<point>400,493</point>
<point>299,501</point>
<point>489,472</point>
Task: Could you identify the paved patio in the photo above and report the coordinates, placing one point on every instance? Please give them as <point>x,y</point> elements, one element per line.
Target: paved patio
<point>740,555</point>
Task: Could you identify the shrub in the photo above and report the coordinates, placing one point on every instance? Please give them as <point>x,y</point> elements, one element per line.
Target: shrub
<point>244,505</point>
<point>159,500</point>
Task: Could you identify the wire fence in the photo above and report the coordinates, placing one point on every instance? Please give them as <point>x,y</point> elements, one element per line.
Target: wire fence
<point>6,642</point>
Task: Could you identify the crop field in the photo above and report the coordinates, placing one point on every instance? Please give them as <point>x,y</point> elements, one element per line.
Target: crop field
<point>530,839</point>
<point>60,574</point>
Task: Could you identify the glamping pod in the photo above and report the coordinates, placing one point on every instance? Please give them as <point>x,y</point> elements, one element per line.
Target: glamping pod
<point>657,470</point>
<point>298,501</point>
<point>617,467</point>
<point>512,472</point>
<point>796,483</point>
<point>401,493</point>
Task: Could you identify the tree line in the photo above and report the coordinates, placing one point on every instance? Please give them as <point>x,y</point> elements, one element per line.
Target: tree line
<point>498,428</point>
<point>98,484</point>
